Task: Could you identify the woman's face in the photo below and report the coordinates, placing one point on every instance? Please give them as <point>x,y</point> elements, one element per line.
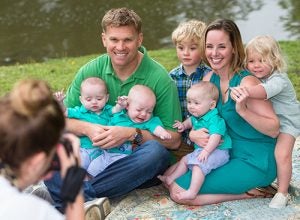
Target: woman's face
<point>219,51</point>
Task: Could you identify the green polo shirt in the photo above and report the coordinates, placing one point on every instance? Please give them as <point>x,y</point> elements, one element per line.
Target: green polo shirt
<point>81,113</point>
<point>215,125</point>
<point>149,73</point>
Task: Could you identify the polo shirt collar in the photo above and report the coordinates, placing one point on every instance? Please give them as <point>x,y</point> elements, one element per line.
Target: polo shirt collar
<point>197,72</point>
<point>209,115</point>
<point>83,109</point>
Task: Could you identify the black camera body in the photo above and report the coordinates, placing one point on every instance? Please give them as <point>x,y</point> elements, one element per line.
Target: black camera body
<point>55,164</point>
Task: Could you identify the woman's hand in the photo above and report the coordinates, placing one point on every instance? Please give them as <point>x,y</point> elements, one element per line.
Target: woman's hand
<point>200,137</point>
<point>240,96</point>
<point>257,112</point>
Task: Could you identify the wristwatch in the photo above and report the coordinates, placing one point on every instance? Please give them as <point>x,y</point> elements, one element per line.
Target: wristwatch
<point>137,138</point>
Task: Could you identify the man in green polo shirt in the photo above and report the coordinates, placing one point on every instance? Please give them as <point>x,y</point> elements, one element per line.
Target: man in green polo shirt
<point>125,64</point>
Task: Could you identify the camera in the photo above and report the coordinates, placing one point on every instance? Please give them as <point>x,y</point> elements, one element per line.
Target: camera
<point>55,163</point>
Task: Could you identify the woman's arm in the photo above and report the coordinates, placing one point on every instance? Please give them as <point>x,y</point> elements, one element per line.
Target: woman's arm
<point>256,91</point>
<point>75,210</point>
<point>259,113</point>
<point>199,137</point>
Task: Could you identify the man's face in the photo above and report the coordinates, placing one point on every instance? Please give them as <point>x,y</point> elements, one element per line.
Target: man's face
<point>122,45</point>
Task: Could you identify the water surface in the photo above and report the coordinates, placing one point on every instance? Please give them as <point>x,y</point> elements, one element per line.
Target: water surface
<point>42,29</point>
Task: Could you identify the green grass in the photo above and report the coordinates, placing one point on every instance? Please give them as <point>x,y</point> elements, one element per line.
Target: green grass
<point>60,72</point>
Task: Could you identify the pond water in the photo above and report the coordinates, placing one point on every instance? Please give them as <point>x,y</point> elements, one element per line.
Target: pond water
<point>41,29</point>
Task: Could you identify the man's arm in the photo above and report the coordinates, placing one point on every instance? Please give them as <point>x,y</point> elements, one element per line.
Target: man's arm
<point>112,136</point>
<point>83,128</point>
<point>171,144</point>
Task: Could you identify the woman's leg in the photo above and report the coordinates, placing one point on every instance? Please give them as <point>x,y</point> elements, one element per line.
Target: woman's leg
<point>204,199</point>
<point>228,182</point>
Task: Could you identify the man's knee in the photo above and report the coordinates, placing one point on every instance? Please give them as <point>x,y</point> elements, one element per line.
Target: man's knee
<point>155,149</point>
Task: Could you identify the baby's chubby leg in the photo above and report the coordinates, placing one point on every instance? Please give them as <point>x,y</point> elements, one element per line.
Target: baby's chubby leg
<point>196,183</point>
<point>180,169</point>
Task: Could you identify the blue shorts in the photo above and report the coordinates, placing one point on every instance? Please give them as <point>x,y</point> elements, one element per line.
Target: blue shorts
<point>216,159</point>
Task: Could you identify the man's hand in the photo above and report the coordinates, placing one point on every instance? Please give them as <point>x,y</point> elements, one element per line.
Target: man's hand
<point>93,130</point>
<point>112,136</point>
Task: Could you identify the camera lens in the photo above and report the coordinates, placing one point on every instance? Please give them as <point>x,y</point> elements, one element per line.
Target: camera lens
<point>55,163</point>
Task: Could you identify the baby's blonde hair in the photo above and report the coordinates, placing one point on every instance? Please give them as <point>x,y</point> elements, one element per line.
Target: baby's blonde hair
<point>270,51</point>
<point>141,91</point>
<point>189,30</point>
<point>93,81</point>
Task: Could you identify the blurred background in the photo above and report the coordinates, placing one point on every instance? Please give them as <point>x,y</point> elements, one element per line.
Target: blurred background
<point>36,30</point>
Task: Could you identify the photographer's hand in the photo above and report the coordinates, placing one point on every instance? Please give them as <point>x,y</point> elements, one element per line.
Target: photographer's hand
<point>66,161</point>
<point>75,210</point>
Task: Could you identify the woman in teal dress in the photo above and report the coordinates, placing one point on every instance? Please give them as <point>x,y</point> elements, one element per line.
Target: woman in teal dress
<point>252,125</point>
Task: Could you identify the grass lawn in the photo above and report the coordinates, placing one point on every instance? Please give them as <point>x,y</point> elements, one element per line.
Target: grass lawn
<point>60,72</point>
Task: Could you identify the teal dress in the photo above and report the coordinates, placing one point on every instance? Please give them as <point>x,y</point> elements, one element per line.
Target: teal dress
<point>252,161</point>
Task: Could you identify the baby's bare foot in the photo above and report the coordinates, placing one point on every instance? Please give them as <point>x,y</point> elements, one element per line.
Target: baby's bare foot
<point>162,178</point>
<point>165,179</point>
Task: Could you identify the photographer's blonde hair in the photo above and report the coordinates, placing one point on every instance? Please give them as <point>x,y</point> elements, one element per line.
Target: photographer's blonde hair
<point>31,121</point>
<point>189,30</point>
<point>270,51</point>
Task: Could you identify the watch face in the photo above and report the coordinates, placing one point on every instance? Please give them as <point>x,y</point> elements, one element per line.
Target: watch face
<point>138,138</point>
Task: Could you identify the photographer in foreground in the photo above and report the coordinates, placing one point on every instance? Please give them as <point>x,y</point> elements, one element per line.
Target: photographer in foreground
<point>31,125</point>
